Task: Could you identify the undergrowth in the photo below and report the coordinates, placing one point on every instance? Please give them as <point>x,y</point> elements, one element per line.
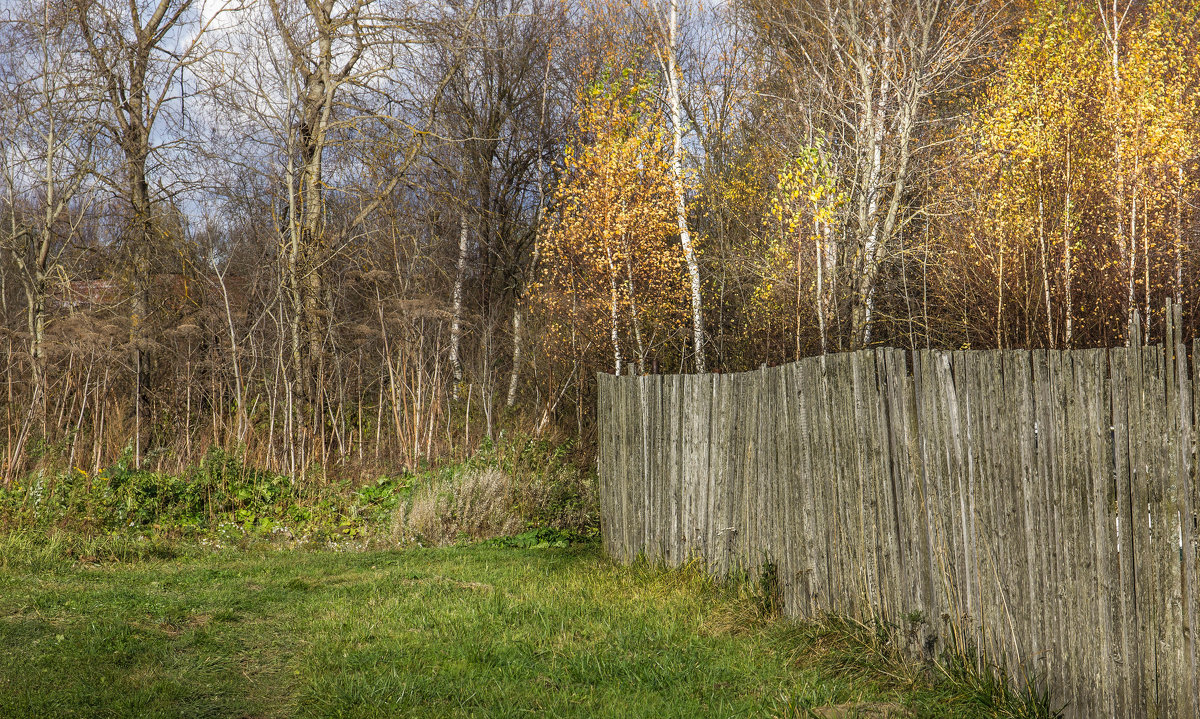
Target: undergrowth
<point>223,501</point>
<point>876,657</point>
<point>873,652</point>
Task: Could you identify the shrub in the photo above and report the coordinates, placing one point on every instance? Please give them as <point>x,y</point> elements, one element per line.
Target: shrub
<point>507,487</point>
<point>475,504</point>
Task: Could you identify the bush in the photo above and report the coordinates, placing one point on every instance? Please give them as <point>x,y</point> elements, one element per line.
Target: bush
<point>507,487</point>
<point>504,489</point>
<point>550,488</point>
<point>476,504</point>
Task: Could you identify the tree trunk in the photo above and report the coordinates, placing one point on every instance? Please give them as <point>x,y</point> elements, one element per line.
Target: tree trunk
<point>456,311</point>
<point>820,286</point>
<point>35,316</point>
<point>1045,269</point>
<point>139,335</point>
<point>1130,299</point>
<point>511,399</point>
<point>873,126</point>
<point>1068,324</point>
<point>633,318</point>
<point>614,305</point>
<point>1179,240</point>
<point>685,237</point>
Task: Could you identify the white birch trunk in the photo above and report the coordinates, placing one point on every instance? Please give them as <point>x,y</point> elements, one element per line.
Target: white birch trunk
<point>820,285</point>
<point>1068,325</point>
<point>511,399</point>
<point>614,306</point>
<point>633,318</point>
<point>685,236</point>
<point>1045,272</point>
<point>1179,239</point>
<point>456,311</point>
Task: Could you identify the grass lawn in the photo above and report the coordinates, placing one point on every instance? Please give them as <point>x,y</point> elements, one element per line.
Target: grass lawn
<point>457,632</point>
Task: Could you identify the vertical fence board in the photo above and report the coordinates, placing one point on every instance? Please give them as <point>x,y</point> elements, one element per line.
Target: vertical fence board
<point>1075,476</point>
<point>624,393</point>
<point>935,503</point>
<point>958,545</point>
<point>654,475</point>
<point>786,507</point>
<point>1098,542</point>
<point>919,560</point>
<point>891,567</point>
<point>1045,377</point>
<point>862,506</point>
<point>748,480</point>
<point>1015,559</point>
<point>878,490</point>
<point>1191,517</point>
<point>993,503</point>
<point>702,479</point>
<point>826,481</point>
<point>686,488</point>
<point>1190,511</point>
<point>680,439</point>
<point>1145,580</point>
<point>1030,667</point>
<point>1174,674</point>
<point>963,370</point>
<point>1083,602</point>
<point>863,498</point>
<point>1122,364</point>
<point>708,478</point>
<point>723,507</point>
<point>1104,513</point>
<point>1163,510</point>
<point>719,496</point>
<point>816,562</point>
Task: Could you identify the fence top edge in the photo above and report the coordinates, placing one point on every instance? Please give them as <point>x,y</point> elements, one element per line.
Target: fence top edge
<point>875,351</point>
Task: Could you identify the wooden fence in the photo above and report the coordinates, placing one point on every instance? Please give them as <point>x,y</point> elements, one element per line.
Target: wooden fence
<point>1039,507</point>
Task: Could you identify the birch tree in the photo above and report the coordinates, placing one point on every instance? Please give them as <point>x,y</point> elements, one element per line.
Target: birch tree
<point>668,51</point>
<point>608,266</point>
<point>864,74</point>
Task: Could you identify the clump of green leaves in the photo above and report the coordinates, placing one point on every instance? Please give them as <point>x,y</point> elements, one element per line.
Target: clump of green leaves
<point>536,484</point>
<point>544,538</point>
<point>221,494</point>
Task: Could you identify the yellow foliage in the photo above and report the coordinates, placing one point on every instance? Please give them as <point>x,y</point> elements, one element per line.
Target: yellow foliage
<point>610,247</point>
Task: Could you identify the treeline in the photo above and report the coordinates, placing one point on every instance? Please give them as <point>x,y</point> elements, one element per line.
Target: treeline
<point>360,235</point>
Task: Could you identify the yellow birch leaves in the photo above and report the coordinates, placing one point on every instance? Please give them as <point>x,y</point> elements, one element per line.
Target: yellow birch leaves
<point>611,248</point>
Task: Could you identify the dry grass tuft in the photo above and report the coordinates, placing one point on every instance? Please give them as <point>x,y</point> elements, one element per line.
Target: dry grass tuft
<point>476,504</point>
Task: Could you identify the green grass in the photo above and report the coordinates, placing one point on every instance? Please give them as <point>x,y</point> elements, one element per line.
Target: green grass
<point>457,632</point>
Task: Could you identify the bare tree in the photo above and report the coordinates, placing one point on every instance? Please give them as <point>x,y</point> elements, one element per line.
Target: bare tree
<point>340,54</point>
<point>137,49</point>
<point>49,135</point>
<point>496,114</point>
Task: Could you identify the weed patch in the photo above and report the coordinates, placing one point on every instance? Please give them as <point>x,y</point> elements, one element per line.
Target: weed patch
<point>505,490</point>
